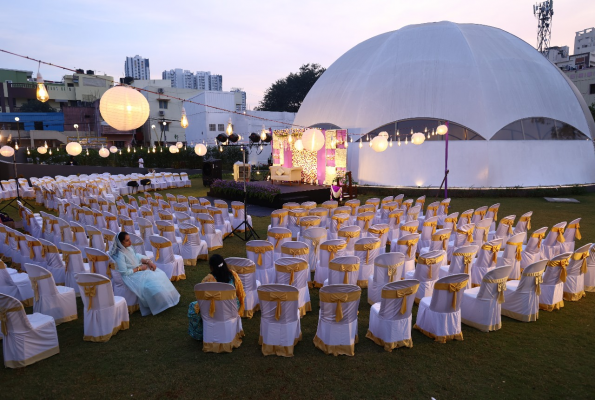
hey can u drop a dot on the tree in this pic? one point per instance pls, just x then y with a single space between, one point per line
36 106
592 108
288 93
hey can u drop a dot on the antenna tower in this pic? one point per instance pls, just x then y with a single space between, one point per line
544 12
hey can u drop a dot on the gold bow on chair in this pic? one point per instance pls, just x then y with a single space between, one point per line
501 287
432 210
186 232
562 264
577 233
214 296
468 233
159 246
236 208
279 236
4 318
90 289
339 220
466 216
539 237
291 269
443 238
94 258
526 219
453 288
353 205
397 216
293 252
519 249
400 293
260 250
66 257
494 249
107 239
429 261
204 222
333 249
467 259
367 247
280 215
366 219
582 256
346 268
538 281
32 244
409 243
432 224
279 297
495 211
481 213
348 235
339 298
35 285
560 232
509 223
391 269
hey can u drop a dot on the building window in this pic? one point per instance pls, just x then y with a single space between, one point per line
221 128
592 88
163 104
424 125
38 125
539 129
212 127
119 144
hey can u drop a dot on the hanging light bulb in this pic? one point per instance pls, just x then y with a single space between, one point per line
28 153
433 132
87 151
161 150
426 130
229 129
128 149
351 139
45 144
428 135
120 151
154 149
397 132
361 144
141 146
346 144
369 141
104 152
134 150
16 146
406 141
42 92
390 143
260 147
184 120
399 142
57 149
221 149
263 133
50 152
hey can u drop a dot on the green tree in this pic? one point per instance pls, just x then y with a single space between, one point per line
36 106
288 93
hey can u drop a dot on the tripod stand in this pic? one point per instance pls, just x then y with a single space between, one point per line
18 198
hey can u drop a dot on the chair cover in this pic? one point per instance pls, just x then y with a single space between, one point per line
26 338
167 229
522 297
380 232
192 247
290 206
53 261
481 305
350 234
246 270
337 324
532 251
407 245
295 249
95 238
220 222
574 286
413 214
487 259
295 272
212 236
166 260
462 260
440 241
552 245
328 251
222 326
439 316
73 264
343 270
465 218
552 288
111 221
390 317
279 218
308 205
338 222
307 222
278 236
313 237
321 213
367 249
294 219
590 275
523 224
493 214
571 234
105 314
261 252
512 255
481 232
280 328
388 268
16 285
504 230
479 214
427 272
49 299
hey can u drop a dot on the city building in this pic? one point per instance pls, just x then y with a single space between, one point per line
179 78
510 111
240 99
137 67
216 84
584 41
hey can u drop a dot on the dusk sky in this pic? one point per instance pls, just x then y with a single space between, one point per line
251 44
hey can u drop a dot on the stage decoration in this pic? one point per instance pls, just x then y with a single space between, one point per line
200 149
336 193
313 139
124 108
103 152
113 149
417 138
442 129
74 148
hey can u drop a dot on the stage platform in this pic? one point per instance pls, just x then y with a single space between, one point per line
298 193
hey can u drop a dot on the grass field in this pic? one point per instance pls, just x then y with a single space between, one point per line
551 358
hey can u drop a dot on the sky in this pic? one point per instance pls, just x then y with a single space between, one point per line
252 44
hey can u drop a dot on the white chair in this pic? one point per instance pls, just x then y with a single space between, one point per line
379 231
407 245
439 316
493 214
364 220
394 223
238 216
192 247
481 305
408 228
313 237
350 234
390 317
53 261
105 314
166 260
574 286
65 233
261 252
122 290
279 218
321 213
337 222
294 219
522 297
291 206
487 259
462 260
111 221
532 251
73 264
95 238
523 224
209 233
479 214
481 232
590 275
280 328
295 272
246 270
220 222
16 285
167 229
328 251
448 221
367 249
427 230
222 326
552 245
504 230
36 254
512 255
571 234
108 238
337 323
388 267
278 236
26 338
49 299
146 228
80 237
426 272
413 214
440 241
295 249
343 270
552 288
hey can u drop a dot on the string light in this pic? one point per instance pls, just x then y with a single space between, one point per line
184 120
390 143
263 134
28 153
406 141
45 144
399 142
16 146
397 132
360 144
346 144
42 92
87 151
229 129
128 149
50 152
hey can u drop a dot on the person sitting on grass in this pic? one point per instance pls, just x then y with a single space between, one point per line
219 273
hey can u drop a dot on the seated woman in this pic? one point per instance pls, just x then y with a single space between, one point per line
154 290
219 273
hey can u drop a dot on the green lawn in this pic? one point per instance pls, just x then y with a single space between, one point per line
551 358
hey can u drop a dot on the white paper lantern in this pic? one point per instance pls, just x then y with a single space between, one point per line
113 149
383 134
103 152
6 151
42 150
313 140
74 148
200 149
442 129
173 149
418 138
179 145
124 108
379 144
299 145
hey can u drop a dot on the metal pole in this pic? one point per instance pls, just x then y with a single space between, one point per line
446 165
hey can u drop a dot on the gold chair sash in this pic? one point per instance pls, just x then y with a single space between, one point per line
4 317
410 229
453 288
279 297
107 239
192 202
562 264
494 249
45 249
146 214
318 213
348 235
501 287
346 268
94 258
30 245
35 285
400 293
366 219
538 281
409 243
467 259
442 238
482 213
392 269
519 249
239 269
280 215
159 246
315 242
509 223
165 228
526 219
354 206
333 249
445 205
236 208
582 256
90 289
485 230
214 296
367 247
166 217
180 209
468 233
560 232
279 236
432 224
433 209
295 252
290 206
312 222
126 223
292 269
453 220
378 231
66 257
298 215
329 206
396 215
339 298
429 262
260 250
203 222
539 237
339 220
186 232
466 216
577 233
495 211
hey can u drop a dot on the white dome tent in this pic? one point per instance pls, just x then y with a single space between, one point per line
514 118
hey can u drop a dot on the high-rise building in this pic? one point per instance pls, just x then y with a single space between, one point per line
181 79
203 80
584 41
240 99
216 83
137 67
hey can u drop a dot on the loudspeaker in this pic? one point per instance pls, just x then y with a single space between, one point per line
211 170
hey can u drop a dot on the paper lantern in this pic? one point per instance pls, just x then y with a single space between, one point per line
379 144
113 149
418 138
179 145
442 129
313 140
299 146
74 148
42 150
6 151
103 152
383 134
124 108
173 149
200 149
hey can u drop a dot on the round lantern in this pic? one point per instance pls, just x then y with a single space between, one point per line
42 150
313 140
179 145
173 149
113 149
299 145
383 134
442 129
124 108
200 149
74 148
103 152
6 151
379 144
418 138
